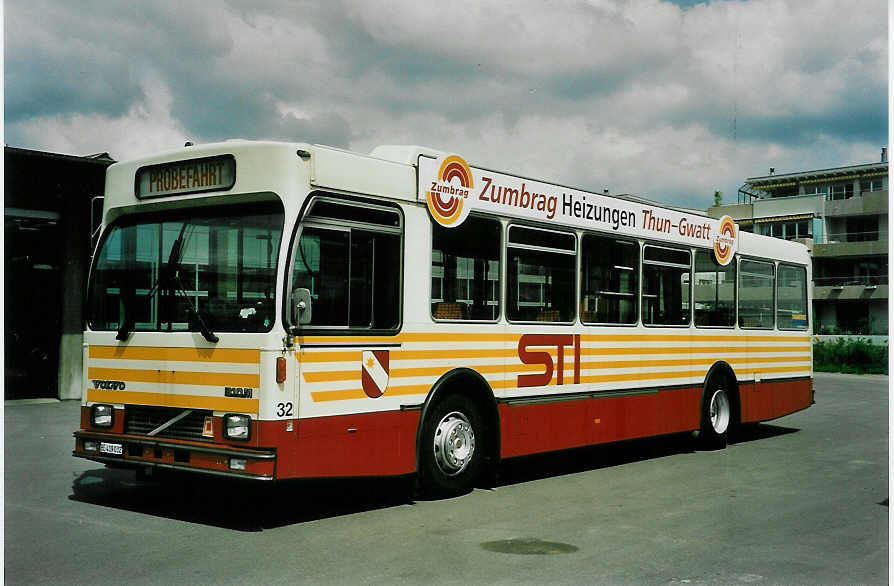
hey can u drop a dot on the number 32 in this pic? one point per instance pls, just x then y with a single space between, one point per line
283 409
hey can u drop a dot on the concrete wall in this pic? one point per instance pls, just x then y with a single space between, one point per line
789 206
75 264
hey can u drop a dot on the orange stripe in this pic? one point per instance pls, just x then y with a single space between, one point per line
324 376
354 355
346 394
714 350
173 377
167 400
512 337
472 353
176 354
695 337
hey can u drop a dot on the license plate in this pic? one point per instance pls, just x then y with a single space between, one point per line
108 448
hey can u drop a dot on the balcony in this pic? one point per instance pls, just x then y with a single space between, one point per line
854 244
869 202
789 206
850 288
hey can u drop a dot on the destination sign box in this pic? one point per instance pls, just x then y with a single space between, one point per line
183 177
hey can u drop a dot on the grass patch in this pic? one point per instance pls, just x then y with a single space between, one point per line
853 356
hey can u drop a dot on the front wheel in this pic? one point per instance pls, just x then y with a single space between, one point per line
452 446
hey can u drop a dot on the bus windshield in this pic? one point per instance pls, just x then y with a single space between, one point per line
202 269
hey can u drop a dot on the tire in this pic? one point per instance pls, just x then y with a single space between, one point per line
717 415
453 446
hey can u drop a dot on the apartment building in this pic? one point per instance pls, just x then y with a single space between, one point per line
841 214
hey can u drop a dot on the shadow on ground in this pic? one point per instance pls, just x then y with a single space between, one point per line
243 506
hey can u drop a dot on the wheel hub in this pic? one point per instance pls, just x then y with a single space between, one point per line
454 443
720 412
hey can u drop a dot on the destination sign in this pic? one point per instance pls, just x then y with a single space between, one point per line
183 177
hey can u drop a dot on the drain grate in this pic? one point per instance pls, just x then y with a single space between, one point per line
528 546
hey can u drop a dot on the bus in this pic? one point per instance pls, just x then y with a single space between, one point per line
266 311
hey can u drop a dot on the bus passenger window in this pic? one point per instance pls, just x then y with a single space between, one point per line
666 286
715 292
791 298
609 279
756 294
465 270
540 279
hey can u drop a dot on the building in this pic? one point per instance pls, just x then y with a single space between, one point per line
841 214
50 202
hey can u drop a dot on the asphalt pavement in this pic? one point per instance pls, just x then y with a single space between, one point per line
800 500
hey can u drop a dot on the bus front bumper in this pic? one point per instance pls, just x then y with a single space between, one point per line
138 452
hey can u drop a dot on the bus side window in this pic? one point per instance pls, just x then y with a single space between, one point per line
666 286
465 270
541 275
756 306
715 292
609 280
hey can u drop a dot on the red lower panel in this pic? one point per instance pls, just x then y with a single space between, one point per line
367 444
544 427
771 399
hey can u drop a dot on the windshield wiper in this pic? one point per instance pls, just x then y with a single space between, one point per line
128 323
175 287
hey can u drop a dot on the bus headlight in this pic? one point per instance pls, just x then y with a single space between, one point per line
101 415
236 427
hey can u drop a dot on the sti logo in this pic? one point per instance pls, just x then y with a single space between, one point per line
544 358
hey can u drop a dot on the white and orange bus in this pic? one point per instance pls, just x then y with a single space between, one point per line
271 310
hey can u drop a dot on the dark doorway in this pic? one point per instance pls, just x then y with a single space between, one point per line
852 318
47 224
31 307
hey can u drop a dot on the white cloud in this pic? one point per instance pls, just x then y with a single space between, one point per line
146 128
638 96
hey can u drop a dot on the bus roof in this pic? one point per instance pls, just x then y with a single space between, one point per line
445 182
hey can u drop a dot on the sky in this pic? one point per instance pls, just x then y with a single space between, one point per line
666 100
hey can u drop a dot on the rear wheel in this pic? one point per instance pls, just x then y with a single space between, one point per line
452 446
716 416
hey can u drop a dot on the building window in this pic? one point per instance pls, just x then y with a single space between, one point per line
465 270
843 191
609 276
666 278
541 275
816 190
871 184
756 294
715 292
861 228
788 230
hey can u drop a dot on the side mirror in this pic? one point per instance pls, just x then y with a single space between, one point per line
301 305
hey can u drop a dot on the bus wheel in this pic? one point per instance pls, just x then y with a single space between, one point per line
716 417
452 446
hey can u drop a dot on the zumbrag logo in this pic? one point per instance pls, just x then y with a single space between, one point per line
447 194
725 241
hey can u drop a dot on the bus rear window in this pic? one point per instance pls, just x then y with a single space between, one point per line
791 298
